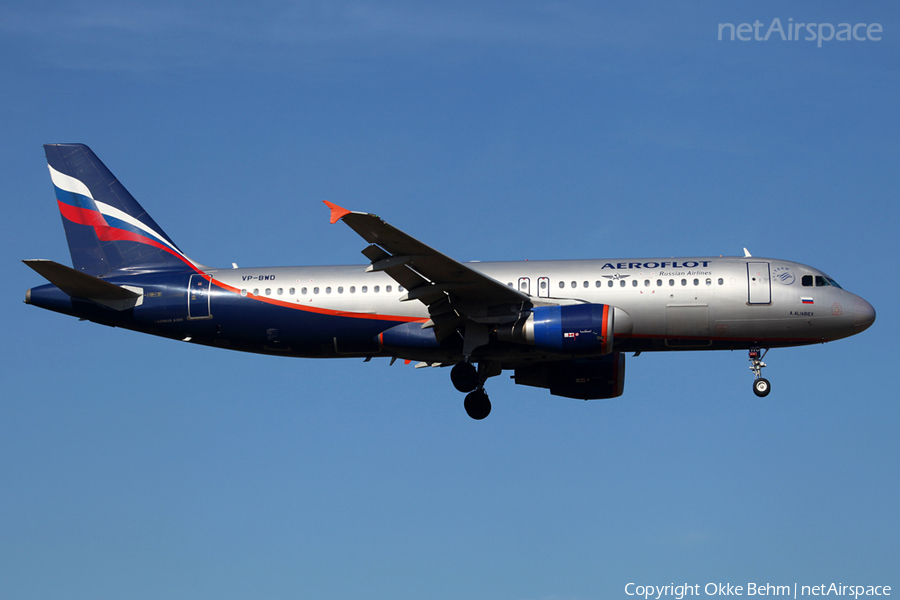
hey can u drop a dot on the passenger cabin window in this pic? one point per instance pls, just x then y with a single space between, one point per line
622 283
376 289
562 284
352 289
365 289
646 283
634 283
721 281
611 283
256 291
303 291
280 291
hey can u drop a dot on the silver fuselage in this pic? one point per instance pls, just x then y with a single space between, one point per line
668 304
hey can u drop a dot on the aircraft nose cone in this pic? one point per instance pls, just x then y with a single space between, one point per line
863 313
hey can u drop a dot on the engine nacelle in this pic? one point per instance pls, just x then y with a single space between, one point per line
574 329
584 379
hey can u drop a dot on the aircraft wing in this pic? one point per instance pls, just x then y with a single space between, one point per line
452 291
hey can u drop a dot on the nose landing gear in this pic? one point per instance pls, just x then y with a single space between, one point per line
761 386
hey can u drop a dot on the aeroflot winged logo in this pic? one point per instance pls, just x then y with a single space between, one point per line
783 276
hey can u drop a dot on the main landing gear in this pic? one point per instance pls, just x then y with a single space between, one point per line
477 404
467 379
761 386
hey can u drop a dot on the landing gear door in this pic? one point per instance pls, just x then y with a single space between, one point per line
198 297
759 283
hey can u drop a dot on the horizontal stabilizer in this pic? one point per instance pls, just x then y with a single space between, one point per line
78 284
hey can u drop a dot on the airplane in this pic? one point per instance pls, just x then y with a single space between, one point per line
562 325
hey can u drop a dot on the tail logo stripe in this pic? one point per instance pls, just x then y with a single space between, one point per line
82 216
106 233
126 219
69 183
79 203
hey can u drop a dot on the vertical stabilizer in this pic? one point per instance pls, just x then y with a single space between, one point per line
106 228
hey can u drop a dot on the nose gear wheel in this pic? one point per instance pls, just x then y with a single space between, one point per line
761 385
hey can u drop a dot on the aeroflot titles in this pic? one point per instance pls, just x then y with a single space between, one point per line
689 264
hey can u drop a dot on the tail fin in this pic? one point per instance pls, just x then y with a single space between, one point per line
106 228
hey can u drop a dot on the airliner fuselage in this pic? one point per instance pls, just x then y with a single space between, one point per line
334 311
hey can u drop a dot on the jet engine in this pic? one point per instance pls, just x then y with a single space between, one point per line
575 329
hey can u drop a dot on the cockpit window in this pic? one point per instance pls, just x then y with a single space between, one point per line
820 281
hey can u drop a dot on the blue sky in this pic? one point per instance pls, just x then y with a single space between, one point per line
135 467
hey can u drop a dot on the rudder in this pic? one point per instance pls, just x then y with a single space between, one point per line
106 228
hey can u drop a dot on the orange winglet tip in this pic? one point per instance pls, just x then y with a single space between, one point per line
337 213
